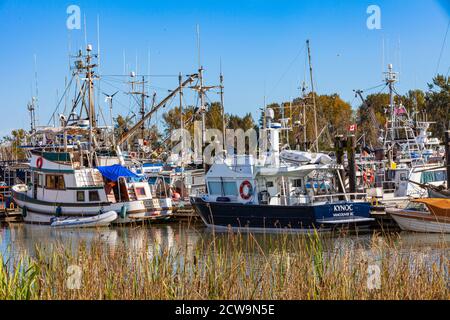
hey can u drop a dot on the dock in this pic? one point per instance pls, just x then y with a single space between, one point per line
7 215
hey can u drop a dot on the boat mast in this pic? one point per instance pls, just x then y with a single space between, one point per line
313 97
143 95
201 91
223 109
162 103
180 85
92 120
142 111
391 78
304 114
31 108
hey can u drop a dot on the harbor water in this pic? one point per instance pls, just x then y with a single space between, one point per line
17 240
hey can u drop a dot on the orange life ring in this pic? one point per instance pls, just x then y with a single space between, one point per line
39 162
369 176
246 190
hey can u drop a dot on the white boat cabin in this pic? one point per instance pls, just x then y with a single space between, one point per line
56 178
243 179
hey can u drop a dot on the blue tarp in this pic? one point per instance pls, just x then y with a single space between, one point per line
115 172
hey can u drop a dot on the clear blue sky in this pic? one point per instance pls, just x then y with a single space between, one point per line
260 43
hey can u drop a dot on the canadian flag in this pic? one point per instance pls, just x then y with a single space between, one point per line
352 128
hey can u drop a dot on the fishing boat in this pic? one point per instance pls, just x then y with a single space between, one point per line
71 177
61 186
174 181
271 194
406 157
100 220
424 215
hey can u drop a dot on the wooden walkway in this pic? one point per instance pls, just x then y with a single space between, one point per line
11 216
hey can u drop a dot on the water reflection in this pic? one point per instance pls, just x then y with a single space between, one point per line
20 239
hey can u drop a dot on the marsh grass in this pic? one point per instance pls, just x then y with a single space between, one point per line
229 266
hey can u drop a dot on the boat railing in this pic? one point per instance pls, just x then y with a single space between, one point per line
310 199
333 196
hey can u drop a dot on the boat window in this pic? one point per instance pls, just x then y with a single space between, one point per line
54 182
440 175
215 188
417 206
36 178
80 196
269 184
40 180
140 192
432 176
230 189
297 183
94 196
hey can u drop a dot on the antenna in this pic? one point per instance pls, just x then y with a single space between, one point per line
399 56
35 76
124 63
98 43
264 106
69 45
198 46
382 57
137 70
85 32
148 66
36 88
223 107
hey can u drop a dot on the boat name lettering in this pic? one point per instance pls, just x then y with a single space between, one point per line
343 208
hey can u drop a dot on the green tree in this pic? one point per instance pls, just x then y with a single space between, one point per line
11 149
438 104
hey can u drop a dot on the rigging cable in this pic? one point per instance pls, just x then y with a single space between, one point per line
287 70
60 100
442 48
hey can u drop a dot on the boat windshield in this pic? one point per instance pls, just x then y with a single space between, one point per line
417 206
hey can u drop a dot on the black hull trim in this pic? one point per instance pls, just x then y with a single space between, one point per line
235 216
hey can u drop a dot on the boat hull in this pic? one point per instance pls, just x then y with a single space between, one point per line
416 224
280 218
41 212
102 220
